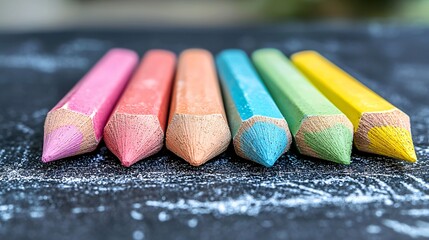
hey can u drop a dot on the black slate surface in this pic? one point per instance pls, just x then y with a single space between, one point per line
93 197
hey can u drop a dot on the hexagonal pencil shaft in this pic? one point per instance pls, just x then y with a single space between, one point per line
136 127
320 129
379 126
260 133
197 129
75 125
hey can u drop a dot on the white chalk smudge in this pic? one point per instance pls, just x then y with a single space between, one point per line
77 210
252 206
37 214
379 213
5 207
137 205
138 235
411 188
353 191
24 129
373 229
419 180
192 223
81 45
416 212
308 196
39 114
421 229
163 216
101 208
43 63
6 216
136 215
6 212
67 56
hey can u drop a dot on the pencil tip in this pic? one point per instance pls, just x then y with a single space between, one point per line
128 158
333 143
61 143
411 157
197 138
133 137
393 142
263 142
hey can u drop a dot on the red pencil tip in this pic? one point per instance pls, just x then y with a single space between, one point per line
133 137
127 160
62 142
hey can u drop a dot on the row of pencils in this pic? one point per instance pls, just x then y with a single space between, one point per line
197 104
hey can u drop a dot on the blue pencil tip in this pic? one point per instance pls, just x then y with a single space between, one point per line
263 143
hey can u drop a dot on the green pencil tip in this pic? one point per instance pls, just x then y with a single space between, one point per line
332 144
343 158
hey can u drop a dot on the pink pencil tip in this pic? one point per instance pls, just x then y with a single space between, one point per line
47 158
61 143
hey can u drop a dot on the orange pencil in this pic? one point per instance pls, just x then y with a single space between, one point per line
136 127
197 128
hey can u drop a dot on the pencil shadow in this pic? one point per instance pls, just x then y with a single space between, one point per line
102 161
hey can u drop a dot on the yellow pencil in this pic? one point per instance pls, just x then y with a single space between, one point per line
379 126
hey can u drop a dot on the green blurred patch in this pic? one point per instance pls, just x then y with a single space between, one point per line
409 10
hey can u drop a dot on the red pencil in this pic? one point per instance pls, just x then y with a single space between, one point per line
136 128
75 125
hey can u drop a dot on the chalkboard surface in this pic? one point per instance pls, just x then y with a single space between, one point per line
93 197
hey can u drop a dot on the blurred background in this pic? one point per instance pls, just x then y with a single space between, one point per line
54 14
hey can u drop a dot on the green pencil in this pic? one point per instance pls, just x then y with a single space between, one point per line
320 129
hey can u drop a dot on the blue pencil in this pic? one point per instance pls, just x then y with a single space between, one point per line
260 133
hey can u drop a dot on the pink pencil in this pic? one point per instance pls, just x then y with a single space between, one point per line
137 125
75 125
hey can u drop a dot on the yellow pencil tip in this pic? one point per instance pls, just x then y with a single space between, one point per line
411 156
393 142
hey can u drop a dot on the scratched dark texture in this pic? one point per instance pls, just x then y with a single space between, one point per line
93 197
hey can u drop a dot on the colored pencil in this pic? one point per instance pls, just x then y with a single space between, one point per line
320 129
136 127
379 126
198 129
75 125
260 133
